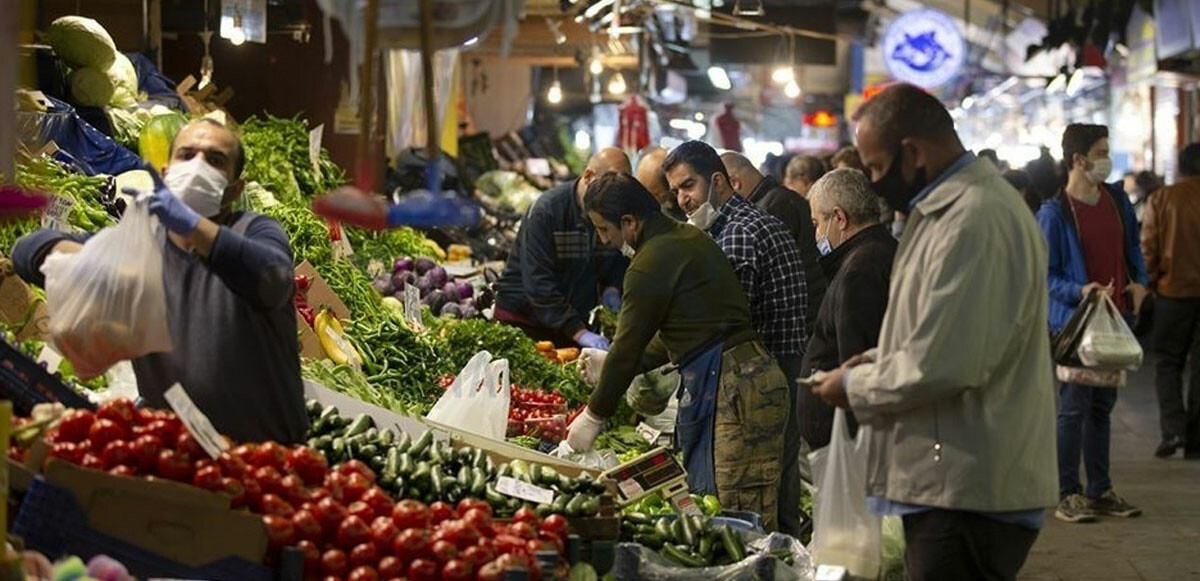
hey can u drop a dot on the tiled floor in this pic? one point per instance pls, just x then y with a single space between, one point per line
1164 543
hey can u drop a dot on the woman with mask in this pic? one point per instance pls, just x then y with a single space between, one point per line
1092 237
229 283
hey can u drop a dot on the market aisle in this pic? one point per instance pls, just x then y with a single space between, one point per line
1163 543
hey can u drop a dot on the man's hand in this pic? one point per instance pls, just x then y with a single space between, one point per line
586 338
1091 286
831 389
591 361
859 359
611 299
1137 295
582 432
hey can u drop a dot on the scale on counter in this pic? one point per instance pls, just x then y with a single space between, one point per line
655 471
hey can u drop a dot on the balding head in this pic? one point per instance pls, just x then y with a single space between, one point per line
743 176
650 174
607 160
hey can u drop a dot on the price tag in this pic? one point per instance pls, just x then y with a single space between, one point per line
647 433
342 345
375 268
314 148
57 215
685 504
524 490
412 308
195 421
50 357
630 488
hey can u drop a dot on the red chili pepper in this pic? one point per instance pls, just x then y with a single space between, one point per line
308 315
302 282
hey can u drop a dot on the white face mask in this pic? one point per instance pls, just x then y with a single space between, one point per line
823 245
199 185
1101 168
703 216
626 250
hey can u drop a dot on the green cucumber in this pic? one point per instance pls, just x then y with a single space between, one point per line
732 543
360 425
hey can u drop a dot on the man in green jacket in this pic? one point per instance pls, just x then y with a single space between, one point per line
683 303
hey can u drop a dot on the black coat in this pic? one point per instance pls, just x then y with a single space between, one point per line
850 317
792 209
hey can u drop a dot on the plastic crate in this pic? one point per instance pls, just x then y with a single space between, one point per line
52 522
27 383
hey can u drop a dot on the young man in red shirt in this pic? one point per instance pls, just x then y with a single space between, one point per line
1092 237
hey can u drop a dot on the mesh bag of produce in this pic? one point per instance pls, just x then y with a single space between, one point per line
106 302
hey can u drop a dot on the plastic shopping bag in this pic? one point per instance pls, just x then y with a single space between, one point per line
651 391
1107 342
106 302
844 533
477 401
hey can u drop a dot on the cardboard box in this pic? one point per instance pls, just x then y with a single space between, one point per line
318 295
177 521
19 307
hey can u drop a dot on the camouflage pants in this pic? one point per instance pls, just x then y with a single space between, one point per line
752 412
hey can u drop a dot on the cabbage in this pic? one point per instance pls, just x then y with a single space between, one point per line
82 42
91 87
154 144
125 82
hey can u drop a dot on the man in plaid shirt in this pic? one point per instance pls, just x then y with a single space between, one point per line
768 264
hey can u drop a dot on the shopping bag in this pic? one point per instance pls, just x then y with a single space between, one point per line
1065 343
1107 343
477 401
1090 377
844 532
650 392
106 302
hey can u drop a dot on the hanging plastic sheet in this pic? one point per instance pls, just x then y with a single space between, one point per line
78 142
406 105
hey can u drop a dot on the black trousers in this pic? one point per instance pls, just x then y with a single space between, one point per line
952 545
1176 335
789 476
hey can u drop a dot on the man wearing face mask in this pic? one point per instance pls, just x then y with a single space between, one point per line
1092 233
768 264
650 174
557 272
857 253
956 400
683 303
229 282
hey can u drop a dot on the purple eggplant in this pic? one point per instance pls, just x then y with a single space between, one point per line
439 276
402 264
399 282
383 284
424 285
451 310
465 290
451 291
423 264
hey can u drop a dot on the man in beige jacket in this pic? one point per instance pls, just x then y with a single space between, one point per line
957 400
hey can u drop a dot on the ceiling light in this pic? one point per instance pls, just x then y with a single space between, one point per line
595 9
554 94
616 85
595 66
474 40
745 8
237 36
792 90
783 75
719 78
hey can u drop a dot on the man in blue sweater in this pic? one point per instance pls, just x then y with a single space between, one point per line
229 282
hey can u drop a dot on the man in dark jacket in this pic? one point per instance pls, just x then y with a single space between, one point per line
789 208
557 271
857 257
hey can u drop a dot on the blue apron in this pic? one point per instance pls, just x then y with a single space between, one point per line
699 378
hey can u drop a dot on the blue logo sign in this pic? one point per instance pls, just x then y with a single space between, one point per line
924 47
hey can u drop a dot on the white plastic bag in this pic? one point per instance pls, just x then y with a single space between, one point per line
844 532
477 401
1090 377
106 302
1107 342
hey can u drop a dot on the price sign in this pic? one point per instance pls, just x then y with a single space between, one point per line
58 214
195 421
314 148
50 357
524 490
412 308
647 433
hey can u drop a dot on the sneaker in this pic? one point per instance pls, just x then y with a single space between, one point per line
1075 508
1110 504
1168 447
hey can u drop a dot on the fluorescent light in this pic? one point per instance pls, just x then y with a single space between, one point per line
595 9
792 90
554 95
474 40
719 78
783 75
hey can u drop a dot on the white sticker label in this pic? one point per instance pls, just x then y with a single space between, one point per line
412 308
58 214
314 148
630 488
647 433
50 357
524 490
685 504
375 268
195 421
342 345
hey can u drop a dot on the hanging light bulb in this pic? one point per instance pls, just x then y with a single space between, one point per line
237 36
792 90
719 78
595 66
554 94
616 85
783 75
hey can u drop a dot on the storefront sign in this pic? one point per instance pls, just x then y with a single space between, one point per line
924 47
1142 63
1174 23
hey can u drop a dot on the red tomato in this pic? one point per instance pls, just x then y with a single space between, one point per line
422 570
118 410
145 451
236 491
551 541
143 416
410 514
172 465
68 451
364 554
411 544
525 514
356 467
280 531
252 496
208 478
363 573
356 486
477 556
122 470
316 495
557 524
390 566
440 511
334 562
74 424
232 465
104 431
312 556
245 453
361 510
383 530
335 483
456 570
291 488
330 513
268 478
307 526
309 464
443 550
509 544
458 533
274 504
270 454
468 503
478 518
378 500
352 531
523 530
185 443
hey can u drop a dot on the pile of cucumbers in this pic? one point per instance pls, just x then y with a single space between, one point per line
691 541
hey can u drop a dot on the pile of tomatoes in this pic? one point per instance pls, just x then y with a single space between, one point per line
536 413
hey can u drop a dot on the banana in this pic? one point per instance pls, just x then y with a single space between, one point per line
333 339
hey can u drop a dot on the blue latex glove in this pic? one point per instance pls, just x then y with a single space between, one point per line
175 215
611 299
590 339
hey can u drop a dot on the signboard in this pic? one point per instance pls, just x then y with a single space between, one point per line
1173 21
924 47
